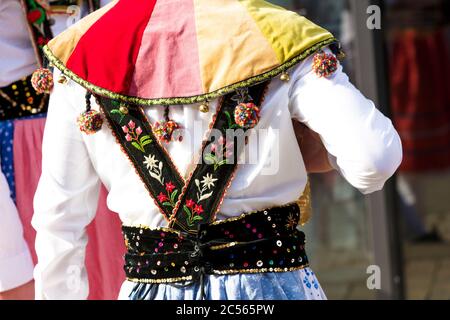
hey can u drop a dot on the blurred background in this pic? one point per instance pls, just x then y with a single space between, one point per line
405 229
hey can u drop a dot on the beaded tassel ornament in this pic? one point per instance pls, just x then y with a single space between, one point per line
324 64
90 121
42 80
246 113
164 130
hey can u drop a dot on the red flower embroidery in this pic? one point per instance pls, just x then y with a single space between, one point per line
162 197
42 41
190 204
170 186
198 209
34 15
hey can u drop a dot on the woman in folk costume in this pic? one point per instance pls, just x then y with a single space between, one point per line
25 27
20 42
166 102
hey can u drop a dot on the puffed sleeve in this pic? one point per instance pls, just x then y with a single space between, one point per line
363 144
16 266
65 201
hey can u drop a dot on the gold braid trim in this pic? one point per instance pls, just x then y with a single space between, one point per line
220 272
185 100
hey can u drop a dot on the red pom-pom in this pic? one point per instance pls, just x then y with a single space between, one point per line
42 80
90 121
246 115
325 64
164 130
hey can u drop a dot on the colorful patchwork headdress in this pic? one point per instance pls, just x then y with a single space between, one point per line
151 52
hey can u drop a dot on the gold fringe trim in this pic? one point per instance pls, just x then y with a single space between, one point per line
184 100
305 204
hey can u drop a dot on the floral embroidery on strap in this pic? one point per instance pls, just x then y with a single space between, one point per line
149 159
184 203
133 135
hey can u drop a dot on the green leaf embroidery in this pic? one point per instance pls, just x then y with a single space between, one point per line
209 158
219 164
144 138
173 196
230 122
167 204
117 111
197 218
188 212
146 142
137 146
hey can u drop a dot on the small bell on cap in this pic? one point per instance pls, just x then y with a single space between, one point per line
62 79
285 77
42 80
123 109
204 107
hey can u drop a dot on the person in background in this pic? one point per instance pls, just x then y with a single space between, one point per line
25 27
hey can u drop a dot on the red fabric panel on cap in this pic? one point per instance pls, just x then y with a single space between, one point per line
106 54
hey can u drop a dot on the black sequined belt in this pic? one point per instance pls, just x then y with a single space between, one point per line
19 99
261 241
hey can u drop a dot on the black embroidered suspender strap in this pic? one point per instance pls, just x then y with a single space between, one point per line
205 189
39 26
185 205
151 162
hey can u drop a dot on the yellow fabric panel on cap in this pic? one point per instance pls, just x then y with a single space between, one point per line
231 49
288 33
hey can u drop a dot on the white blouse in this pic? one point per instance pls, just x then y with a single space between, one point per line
17 56
363 142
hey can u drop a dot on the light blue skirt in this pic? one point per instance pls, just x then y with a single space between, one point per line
295 285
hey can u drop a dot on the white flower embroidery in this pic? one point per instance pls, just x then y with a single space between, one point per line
208 181
206 184
151 162
154 168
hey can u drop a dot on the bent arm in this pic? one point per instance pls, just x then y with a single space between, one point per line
65 201
363 143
